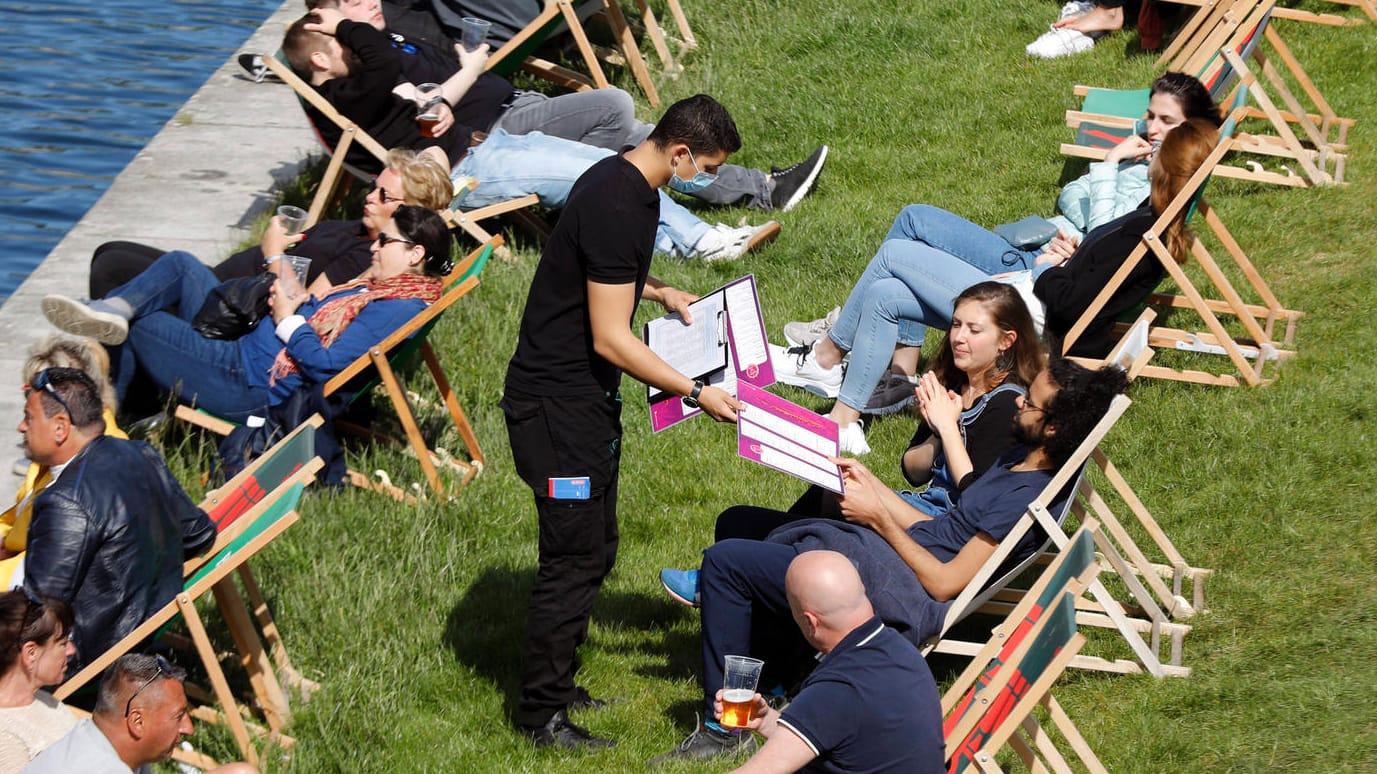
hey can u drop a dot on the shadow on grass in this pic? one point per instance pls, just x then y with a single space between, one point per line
486 630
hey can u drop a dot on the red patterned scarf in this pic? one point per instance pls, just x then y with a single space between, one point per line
333 317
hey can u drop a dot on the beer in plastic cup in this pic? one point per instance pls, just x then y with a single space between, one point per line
738 689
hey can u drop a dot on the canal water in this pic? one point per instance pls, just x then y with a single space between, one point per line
82 89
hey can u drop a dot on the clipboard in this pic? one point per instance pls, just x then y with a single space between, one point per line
697 350
748 353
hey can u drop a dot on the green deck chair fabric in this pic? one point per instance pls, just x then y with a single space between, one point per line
1217 75
271 516
1056 630
281 461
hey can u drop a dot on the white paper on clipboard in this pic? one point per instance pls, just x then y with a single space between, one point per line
695 350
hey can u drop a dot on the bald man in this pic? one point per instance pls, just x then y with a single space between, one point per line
870 705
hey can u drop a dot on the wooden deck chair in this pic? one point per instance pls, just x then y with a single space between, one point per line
1317 145
350 133
1368 7
1168 576
1132 352
1067 575
1139 621
994 705
251 533
519 53
383 360
670 59
1268 327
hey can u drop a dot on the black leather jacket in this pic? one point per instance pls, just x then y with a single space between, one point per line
109 536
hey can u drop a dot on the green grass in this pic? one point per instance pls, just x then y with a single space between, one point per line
412 617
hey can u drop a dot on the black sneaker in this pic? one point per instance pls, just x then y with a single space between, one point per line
893 394
585 701
791 184
256 70
707 742
559 731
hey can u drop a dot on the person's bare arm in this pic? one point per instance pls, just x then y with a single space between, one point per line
869 502
784 750
609 309
943 580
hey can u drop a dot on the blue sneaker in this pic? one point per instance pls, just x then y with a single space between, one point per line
682 585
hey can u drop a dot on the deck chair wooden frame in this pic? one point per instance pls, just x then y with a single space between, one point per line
1139 621
1368 7
1269 328
262 524
1177 586
1314 139
383 358
670 59
469 221
518 53
1066 576
996 706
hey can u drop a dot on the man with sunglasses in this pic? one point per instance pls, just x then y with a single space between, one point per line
110 533
141 716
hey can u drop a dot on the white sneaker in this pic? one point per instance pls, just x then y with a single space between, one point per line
851 439
800 334
797 366
1059 42
724 243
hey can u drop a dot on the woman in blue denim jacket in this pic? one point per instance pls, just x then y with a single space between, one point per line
147 322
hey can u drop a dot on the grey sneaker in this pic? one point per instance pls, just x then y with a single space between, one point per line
800 334
891 395
708 742
71 316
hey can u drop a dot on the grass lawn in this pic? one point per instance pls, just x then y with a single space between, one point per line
412 617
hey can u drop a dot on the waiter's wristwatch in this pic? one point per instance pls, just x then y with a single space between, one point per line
691 400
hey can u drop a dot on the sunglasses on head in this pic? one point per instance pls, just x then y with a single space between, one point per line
42 383
164 670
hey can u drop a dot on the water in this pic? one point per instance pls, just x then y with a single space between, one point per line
82 89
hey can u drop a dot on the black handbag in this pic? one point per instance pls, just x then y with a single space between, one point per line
233 307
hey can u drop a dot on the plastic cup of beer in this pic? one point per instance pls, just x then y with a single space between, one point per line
738 690
293 218
291 273
428 99
474 32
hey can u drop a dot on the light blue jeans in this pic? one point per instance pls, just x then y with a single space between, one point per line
507 166
928 257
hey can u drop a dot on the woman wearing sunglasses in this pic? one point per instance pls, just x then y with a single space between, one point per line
306 340
35 645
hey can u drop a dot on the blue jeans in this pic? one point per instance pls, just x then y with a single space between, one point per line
908 286
162 344
953 234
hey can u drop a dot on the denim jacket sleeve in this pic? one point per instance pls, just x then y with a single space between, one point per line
375 321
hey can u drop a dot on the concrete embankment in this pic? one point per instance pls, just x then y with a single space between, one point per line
199 185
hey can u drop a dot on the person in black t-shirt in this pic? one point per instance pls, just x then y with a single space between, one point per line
562 403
